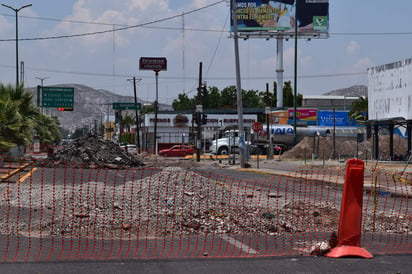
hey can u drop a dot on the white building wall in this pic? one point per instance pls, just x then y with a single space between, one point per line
167 128
390 90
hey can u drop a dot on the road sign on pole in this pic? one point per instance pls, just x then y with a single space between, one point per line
127 106
153 63
57 97
257 127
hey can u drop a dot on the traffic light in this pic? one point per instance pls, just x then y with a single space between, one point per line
204 90
65 109
204 119
195 118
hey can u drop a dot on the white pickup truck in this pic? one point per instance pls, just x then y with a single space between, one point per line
229 143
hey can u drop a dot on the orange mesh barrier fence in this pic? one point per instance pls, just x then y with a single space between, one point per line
57 213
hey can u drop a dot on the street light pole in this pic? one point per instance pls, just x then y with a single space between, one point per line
42 80
38 94
17 37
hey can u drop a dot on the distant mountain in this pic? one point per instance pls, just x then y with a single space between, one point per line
354 91
91 106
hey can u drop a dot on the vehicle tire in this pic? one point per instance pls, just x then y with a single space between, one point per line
223 151
165 155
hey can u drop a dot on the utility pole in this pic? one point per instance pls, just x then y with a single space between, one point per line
137 139
198 115
268 133
242 146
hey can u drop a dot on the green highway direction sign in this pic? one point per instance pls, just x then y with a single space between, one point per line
57 97
127 106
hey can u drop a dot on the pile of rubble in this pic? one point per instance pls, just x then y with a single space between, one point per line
174 202
93 151
345 148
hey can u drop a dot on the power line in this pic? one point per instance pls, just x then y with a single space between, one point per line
216 78
115 29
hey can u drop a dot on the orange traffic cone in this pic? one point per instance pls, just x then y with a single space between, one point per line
350 220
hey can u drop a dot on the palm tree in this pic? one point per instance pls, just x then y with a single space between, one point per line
128 121
10 121
359 110
48 129
19 118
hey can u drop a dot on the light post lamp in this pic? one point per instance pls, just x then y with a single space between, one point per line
38 90
17 37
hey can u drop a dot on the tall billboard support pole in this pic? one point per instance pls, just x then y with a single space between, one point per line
295 85
279 71
242 147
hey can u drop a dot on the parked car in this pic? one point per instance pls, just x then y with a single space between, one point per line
129 148
177 151
278 149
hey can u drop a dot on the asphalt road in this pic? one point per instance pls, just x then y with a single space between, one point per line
283 264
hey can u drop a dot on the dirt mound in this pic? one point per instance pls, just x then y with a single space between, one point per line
91 151
346 148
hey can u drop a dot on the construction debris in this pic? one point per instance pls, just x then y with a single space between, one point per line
93 151
326 148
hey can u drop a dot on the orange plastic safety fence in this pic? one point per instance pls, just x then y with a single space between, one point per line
58 213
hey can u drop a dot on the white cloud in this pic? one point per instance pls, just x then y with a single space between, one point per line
145 5
306 61
200 3
353 48
5 25
108 14
362 65
269 64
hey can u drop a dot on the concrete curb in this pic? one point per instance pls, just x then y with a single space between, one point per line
14 171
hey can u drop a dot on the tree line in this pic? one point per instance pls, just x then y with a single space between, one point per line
213 98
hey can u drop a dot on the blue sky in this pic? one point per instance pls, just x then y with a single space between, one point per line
362 34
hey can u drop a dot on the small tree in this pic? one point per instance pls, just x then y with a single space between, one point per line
359 110
182 103
17 116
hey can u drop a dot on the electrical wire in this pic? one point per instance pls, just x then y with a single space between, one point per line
114 29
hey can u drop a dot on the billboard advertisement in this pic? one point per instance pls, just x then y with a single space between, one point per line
304 116
342 119
264 15
390 90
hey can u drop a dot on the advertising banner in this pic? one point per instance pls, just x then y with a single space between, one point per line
265 15
389 90
342 119
304 116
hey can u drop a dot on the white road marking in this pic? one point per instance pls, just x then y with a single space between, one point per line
238 244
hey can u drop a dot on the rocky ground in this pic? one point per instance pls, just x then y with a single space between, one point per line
176 200
346 148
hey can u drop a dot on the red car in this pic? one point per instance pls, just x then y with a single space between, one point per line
176 151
